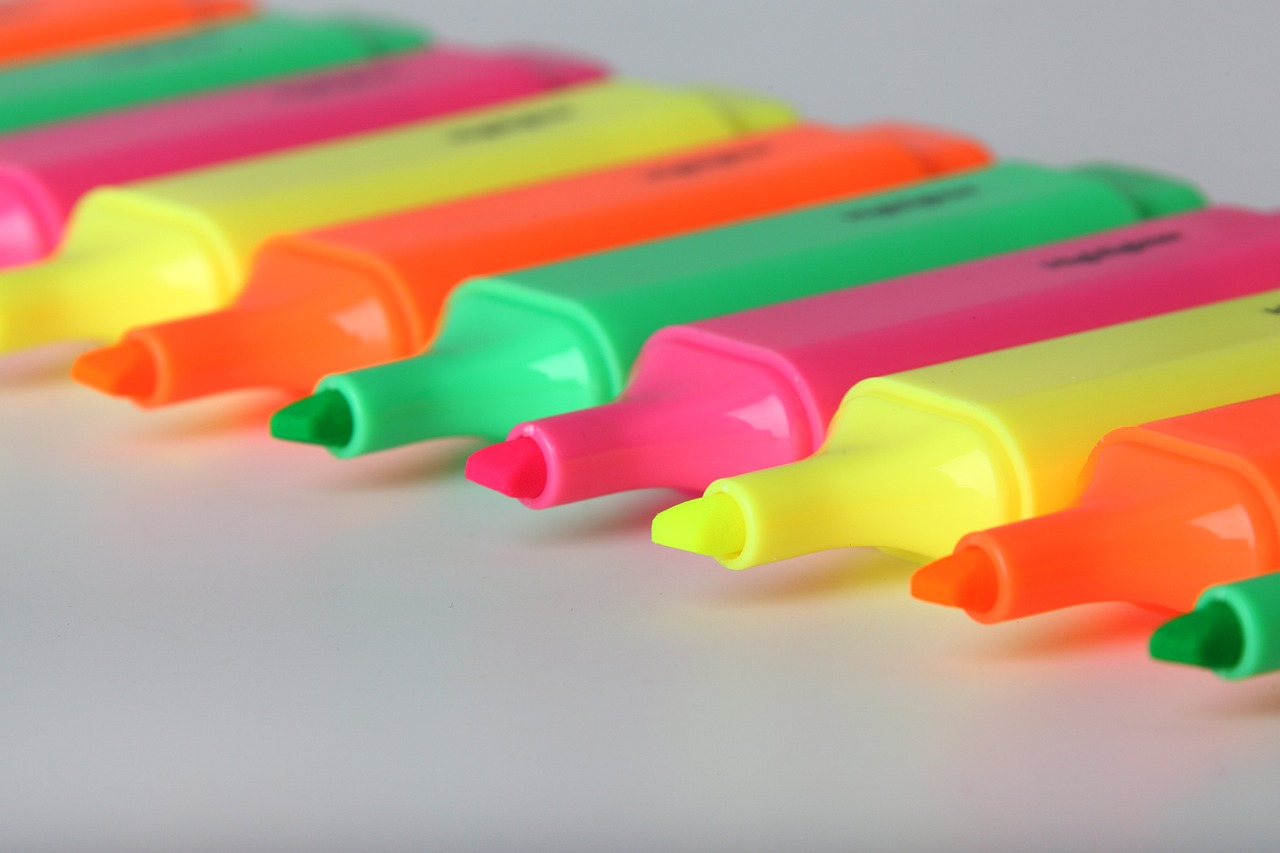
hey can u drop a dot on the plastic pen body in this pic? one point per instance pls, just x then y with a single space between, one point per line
177 246
371 291
42 29
44 172
1234 629
232 55
757 389
1167 509
914 461
563 337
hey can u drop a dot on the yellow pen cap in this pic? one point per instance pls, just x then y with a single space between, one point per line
915 460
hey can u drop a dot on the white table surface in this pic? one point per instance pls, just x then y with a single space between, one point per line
213 641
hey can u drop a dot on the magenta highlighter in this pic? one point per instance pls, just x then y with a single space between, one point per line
44 172
757 389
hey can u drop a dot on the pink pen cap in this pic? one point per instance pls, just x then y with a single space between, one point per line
45 172
757 389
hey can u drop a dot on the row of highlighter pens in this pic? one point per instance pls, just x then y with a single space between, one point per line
1053 386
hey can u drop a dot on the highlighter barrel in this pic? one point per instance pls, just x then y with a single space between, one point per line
367 292
1168 509
224 213
617 299
45 172
258 49
44 29
1003 436
757 389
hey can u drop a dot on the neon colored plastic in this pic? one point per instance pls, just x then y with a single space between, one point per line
680 422
46 171
914 461
259 49
558 338
1167 509
43 29
1234 630
178 246
369 292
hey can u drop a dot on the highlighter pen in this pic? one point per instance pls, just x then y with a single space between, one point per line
914 461
45 171
1234 629
181 245
236 54
562 337
1166 509
372 291
757 389
39 29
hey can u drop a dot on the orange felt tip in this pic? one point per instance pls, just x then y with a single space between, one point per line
965 579
123 370
516 468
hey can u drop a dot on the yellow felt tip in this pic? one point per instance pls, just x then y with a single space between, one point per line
712 525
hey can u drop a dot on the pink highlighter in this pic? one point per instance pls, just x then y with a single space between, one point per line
44 172
757 389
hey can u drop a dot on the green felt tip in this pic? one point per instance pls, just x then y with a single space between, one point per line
1210 637
323 418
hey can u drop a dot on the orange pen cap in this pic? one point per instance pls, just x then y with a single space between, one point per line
1170 508
37 29
365 293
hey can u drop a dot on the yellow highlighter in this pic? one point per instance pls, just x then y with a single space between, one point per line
915 460
169 248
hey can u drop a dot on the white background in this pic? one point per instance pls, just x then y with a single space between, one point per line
213 641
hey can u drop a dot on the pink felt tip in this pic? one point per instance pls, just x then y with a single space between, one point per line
515 468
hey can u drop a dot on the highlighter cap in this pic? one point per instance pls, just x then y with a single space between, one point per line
1255 603
383 37
748 113
1151 193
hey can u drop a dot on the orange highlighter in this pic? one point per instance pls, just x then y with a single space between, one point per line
1167 509
364 293
35 29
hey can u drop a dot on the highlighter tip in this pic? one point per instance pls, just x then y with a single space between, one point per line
123 370
1209 637
323 419
515 468
711 525
965 579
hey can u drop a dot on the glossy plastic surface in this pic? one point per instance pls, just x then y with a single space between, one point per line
368 292
42 29
916 460
617 299
258 49
1167 509
757 389
44 172
222 214
1255 606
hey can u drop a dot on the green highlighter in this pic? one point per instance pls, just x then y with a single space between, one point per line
1234 630
260 49
553 339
